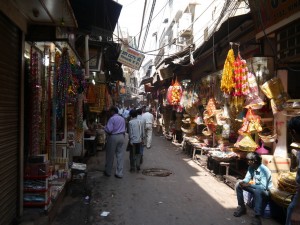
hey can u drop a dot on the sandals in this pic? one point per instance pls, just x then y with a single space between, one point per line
241 210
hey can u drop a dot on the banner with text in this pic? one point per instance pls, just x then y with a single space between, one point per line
130 57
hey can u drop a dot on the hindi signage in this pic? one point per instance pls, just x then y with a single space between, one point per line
130 57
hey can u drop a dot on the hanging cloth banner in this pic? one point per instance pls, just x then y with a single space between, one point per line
130 57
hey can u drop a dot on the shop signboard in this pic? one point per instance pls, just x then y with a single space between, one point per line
130 57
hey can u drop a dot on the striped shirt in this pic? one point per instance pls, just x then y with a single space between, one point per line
135 131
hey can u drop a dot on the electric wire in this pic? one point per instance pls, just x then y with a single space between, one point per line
152 19
232 7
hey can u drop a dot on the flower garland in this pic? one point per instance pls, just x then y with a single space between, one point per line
240 77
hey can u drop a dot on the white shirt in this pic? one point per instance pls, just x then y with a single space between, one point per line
148 118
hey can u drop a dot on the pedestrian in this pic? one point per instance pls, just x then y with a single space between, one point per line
258 181
139 117
293 211
148 120
125 113
115 130
135 132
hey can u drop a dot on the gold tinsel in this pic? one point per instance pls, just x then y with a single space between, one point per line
227 82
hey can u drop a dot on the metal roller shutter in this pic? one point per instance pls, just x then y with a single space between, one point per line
9 119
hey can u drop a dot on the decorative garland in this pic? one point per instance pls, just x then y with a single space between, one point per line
240 77
34 99
227 82
63 77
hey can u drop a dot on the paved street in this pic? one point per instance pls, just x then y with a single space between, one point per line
190 195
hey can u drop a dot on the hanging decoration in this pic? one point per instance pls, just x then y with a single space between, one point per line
76 82
241 88
35 104
274 90
227 81
251 123
63 78
253 99
79 119
174 93
247 144
91 95
240 77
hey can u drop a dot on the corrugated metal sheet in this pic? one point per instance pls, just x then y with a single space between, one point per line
9 119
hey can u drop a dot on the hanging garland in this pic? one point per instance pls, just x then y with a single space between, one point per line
77 83
34 99
240 77
63 77
227 82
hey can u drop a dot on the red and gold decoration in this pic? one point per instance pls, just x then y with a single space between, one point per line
174 93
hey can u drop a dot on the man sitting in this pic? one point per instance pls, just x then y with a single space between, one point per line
258 181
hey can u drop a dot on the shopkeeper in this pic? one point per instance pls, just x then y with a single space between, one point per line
258 181
90 136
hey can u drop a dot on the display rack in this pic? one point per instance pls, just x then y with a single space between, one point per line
36 186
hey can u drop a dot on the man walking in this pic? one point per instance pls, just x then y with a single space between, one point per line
115 130
135 131
148 119
139 117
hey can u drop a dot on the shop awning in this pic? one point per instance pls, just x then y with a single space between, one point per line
146 80
48 13
166 71
102 14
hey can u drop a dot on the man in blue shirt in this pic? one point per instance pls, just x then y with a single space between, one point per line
115 130
293 211
258 181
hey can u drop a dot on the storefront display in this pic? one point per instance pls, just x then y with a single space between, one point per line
55 85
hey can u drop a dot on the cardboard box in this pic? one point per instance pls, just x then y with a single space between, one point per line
277 165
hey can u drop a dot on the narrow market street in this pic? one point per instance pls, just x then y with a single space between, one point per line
190 195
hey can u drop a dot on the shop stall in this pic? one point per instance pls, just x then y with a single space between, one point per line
55 85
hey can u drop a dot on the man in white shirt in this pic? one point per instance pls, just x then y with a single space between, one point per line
148 120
